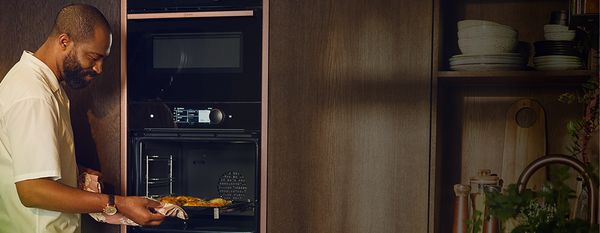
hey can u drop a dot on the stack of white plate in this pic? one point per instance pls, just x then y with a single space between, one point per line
486 45
557 62
480 62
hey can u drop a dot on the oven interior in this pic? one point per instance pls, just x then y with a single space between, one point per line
204 165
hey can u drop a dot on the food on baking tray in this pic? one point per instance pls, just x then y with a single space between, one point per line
218 202
194 201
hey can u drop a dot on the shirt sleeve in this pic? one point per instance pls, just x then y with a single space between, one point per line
32 133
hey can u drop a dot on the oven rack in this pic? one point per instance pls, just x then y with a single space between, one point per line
169 180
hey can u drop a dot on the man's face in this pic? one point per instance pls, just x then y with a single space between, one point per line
75 75
83 62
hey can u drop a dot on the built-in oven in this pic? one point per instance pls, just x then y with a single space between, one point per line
195 56
200 150
199 163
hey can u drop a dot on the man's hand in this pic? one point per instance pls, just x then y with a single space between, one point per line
83 169
51 195
138 209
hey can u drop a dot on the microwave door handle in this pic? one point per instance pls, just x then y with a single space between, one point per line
205 14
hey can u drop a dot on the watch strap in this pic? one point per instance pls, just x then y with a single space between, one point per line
111 200
110 208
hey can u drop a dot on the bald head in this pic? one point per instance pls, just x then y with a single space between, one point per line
76 47
79 22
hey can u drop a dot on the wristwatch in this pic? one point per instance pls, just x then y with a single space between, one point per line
110 208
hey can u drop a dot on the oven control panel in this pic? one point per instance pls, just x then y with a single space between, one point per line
192 116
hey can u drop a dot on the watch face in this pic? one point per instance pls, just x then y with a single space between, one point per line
110 210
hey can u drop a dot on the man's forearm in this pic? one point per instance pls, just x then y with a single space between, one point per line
51 195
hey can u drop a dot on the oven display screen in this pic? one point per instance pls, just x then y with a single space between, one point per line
191 116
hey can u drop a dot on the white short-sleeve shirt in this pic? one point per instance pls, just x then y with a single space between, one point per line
36 141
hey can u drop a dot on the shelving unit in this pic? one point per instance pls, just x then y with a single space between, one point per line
470 107
524 77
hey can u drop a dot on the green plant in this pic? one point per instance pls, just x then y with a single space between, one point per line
581 130
544 211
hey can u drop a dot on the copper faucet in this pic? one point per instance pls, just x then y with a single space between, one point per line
571 162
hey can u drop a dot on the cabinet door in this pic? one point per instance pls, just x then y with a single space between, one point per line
349 116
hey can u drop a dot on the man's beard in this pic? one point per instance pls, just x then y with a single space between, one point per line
74 74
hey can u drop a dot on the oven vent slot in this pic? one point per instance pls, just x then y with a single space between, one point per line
151 181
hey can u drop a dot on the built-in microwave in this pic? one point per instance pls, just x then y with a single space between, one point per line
200 56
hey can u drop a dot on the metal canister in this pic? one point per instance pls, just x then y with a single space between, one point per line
461 208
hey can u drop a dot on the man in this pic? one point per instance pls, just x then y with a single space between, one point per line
38 172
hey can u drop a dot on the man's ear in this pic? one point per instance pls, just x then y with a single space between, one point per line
64 41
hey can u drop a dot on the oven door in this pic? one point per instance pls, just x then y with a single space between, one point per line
194 56
200 163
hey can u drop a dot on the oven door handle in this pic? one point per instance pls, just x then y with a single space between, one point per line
200 14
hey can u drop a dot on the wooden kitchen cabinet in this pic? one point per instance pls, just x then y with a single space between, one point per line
470 107
349 110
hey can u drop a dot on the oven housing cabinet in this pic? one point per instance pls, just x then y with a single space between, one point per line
200 163
194 121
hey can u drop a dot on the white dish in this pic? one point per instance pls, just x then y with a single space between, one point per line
463 24
487 31
556 56
555 28
487 45
558 67
485 67
557 60
559 35
558 64
485 59
487 55
473 22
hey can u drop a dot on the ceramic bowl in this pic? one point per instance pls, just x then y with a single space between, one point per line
471 22
567 35
487 31
555 28
487 45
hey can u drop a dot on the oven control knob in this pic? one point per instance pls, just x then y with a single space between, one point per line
216 116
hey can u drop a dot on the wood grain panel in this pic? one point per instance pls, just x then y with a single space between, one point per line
95 110
349 109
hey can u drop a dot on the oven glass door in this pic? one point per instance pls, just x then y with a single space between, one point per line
209 59
203 167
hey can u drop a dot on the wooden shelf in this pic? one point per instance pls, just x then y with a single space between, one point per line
521 77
